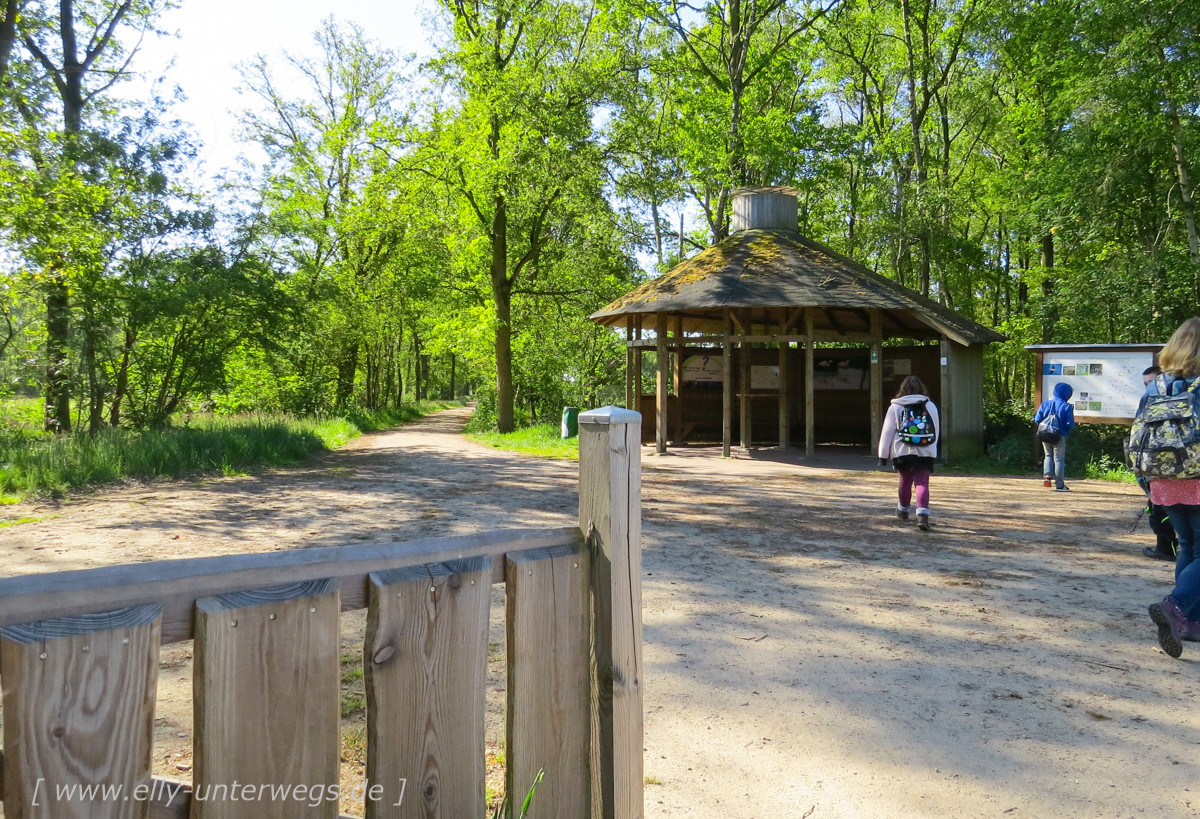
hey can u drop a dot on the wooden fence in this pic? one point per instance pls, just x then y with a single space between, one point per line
79 655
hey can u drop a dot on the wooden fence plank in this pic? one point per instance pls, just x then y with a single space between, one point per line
549 717
79 711
266 700
426 672
176 585
611 519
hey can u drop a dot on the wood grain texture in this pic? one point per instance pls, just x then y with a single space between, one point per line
548 619
79 711
266 700
610 516
426 674
176 585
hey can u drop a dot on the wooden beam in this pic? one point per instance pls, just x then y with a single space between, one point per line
265 688
78 711
876 375
176 585
761 338
727 387
744 395
630 361
785 420
425 668
946 404
810 436
548 624
610 512
660 387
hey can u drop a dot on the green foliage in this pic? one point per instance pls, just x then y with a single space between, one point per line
229 445
543 441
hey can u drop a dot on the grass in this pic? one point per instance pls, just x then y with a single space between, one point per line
32 462
544 441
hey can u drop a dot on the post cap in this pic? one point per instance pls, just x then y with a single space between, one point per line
610 416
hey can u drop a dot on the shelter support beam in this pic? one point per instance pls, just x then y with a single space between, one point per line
784 404
727 387
946 408
631 356
660 391
810 436
744 394
876 368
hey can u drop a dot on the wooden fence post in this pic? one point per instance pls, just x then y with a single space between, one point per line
265 689
79 714
610 517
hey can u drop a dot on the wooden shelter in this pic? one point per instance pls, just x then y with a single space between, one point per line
793 334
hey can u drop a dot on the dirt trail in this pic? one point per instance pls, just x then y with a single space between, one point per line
806 654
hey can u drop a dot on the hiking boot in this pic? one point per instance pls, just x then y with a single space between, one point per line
1171 625
1047 481
902 514
923 522
1153 553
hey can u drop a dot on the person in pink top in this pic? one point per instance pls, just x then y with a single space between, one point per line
911 451
1178 615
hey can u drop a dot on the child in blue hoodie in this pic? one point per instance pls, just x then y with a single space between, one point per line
1054 467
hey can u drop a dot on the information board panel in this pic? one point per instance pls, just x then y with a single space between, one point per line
1107 384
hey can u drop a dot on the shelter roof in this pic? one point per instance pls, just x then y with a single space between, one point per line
782 269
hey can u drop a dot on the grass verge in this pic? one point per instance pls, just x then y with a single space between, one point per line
229 445
544 441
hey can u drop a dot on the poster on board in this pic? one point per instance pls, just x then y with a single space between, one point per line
1106 384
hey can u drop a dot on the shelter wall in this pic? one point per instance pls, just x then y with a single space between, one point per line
841 394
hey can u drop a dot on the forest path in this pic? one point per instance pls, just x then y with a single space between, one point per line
806 653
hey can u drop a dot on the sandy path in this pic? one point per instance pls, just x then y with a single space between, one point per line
806 653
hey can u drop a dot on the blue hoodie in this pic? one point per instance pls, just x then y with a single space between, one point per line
1059 405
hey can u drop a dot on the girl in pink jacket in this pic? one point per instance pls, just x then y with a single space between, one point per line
909 440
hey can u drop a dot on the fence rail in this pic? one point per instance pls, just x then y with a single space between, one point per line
79 662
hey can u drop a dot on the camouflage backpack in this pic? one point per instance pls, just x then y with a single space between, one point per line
1164 441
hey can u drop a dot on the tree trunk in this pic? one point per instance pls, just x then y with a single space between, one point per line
347 368
1050 310
58 388
114 416
502 296
95 390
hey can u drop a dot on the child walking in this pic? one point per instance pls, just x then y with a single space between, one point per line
909 439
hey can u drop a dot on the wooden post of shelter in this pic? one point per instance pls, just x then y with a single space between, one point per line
946 407
810 436
727 386
784 405
744 384
660 388
611 520
876 368
631 355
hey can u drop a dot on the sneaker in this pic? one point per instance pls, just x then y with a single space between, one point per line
1047 481
902 514
1170 621
1153 553
1063 488
923 522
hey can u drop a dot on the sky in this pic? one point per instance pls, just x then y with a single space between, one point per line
215 35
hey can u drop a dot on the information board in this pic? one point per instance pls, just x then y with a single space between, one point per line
1106 384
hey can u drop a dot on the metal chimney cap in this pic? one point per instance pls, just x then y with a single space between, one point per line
751 189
